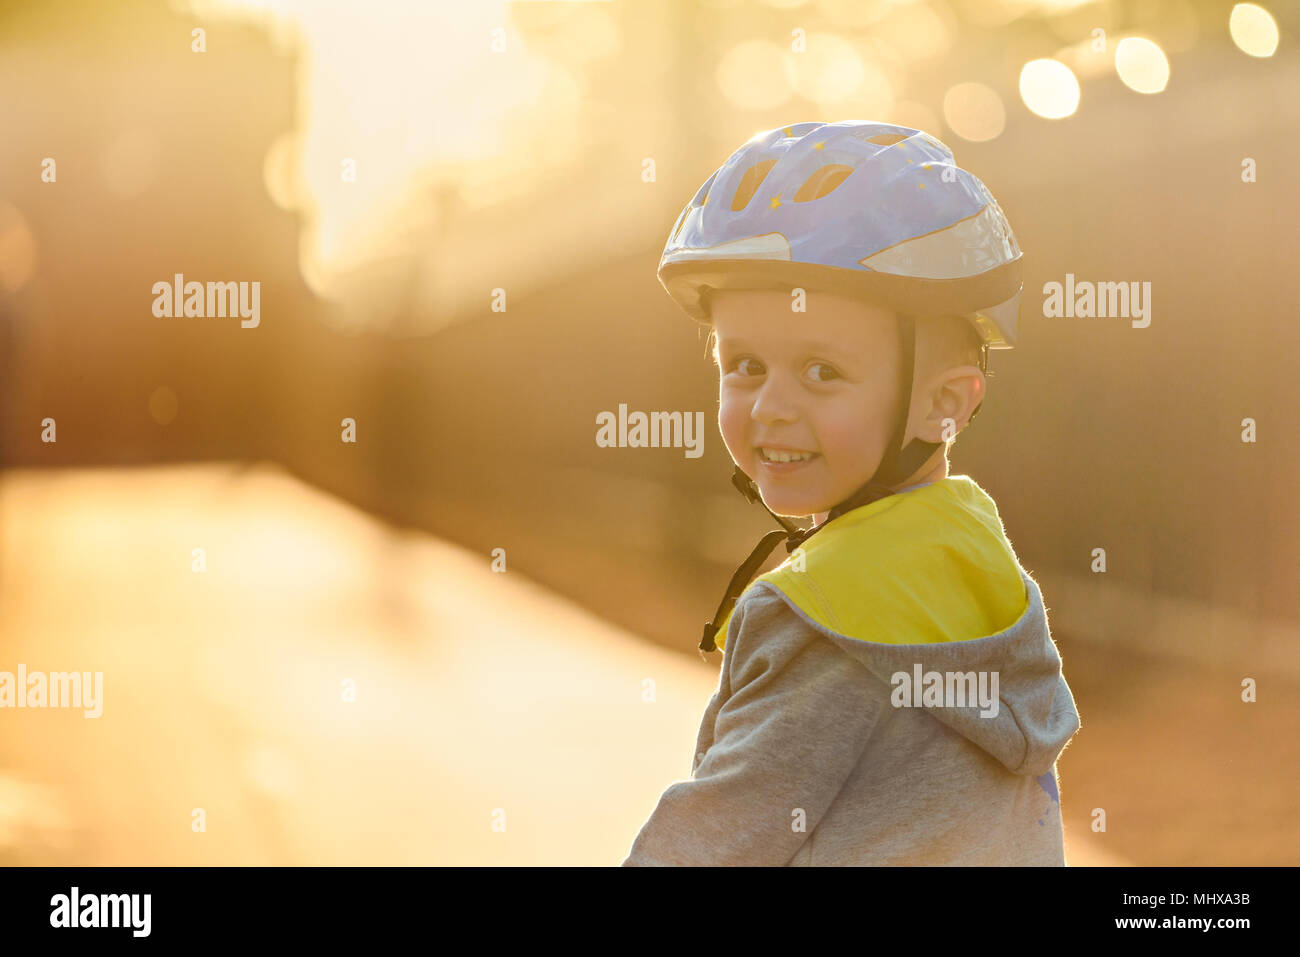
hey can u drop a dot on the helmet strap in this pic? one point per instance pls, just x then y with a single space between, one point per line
984 367
745 485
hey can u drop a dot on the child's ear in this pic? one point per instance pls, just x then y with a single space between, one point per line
962 392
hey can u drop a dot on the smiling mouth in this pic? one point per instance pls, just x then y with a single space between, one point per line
780 456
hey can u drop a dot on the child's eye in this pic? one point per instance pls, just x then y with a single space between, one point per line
826 373
746 365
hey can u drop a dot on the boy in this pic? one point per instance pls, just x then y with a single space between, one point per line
891 693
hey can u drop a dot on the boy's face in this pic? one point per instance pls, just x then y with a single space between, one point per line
822 382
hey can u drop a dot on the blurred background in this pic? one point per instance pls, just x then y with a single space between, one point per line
392 173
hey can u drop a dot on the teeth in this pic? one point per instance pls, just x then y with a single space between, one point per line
779 455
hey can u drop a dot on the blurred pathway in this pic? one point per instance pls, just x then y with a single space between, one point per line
224 690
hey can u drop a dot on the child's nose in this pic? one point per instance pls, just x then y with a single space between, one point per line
775 401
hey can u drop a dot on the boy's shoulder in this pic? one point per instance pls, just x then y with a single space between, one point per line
930 565
771 624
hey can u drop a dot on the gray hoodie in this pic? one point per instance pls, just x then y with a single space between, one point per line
802 757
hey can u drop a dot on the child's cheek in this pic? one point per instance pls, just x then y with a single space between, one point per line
733 419
852 440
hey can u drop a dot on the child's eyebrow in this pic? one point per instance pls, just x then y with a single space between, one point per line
803 347
823 347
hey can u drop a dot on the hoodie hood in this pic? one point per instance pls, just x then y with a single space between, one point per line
1033 713
919 588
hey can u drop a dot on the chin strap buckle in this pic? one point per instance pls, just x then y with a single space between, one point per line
744 484
797 538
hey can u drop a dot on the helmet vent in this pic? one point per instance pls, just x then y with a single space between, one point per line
887 139
681 221
700 199
822 181
749 184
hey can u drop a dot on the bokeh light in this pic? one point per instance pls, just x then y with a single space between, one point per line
1253 29
831 70
1141 64
1049 88
163 405
840 77
974 112
17 250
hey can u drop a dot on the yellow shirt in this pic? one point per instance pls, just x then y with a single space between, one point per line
930 565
